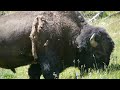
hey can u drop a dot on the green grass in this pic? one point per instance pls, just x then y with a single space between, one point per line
8 74
112 25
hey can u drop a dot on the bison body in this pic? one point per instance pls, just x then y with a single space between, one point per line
61 29
56 50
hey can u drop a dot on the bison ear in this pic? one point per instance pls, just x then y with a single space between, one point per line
93 43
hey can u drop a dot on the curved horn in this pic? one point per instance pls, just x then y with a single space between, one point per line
92 41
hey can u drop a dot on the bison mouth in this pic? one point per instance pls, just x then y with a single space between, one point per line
93 58
100 61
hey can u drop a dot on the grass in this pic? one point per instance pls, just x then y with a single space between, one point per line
8 74
112 25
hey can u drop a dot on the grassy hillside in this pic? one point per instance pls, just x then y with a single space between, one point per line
112 25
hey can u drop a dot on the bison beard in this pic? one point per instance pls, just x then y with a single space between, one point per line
50 63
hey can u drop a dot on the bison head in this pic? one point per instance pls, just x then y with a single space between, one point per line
95 47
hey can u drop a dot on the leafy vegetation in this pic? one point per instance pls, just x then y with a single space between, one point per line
112 25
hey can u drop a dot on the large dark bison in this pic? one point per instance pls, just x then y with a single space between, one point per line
52 40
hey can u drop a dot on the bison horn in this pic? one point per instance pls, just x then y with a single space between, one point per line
92 41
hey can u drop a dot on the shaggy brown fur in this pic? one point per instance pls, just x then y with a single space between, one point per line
56 25
38 24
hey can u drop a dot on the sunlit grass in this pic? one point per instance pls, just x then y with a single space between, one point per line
21 73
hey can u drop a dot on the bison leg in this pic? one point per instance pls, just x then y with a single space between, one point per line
34 71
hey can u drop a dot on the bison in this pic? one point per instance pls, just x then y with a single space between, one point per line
19 46
50 41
